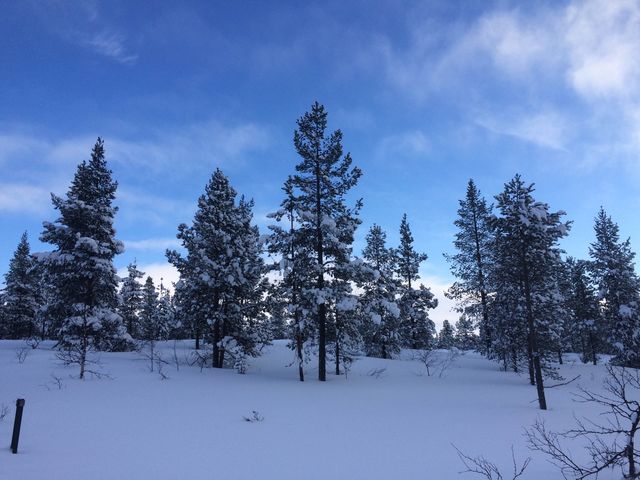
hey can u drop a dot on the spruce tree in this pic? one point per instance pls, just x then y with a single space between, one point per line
585 311
446 338
290 297
526 266
150 326
81 266
472 260
167 315
131 300
379 310
417 329
465 337
618 289
21 294
221 277
322 180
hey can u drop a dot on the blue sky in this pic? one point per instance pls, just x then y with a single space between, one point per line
428 94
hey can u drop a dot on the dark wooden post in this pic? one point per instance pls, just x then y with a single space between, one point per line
16 425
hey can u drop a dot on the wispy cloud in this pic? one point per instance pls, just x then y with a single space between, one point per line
20 198
151 244
410 144
546 129
109 44
36 164
85 23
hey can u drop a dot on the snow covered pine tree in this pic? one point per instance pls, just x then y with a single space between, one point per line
417 329
21 299
81 267
322 180
131 300
527 258
618 289
471 264
222 280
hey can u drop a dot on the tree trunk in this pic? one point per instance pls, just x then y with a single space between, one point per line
215 339
560 357
532 377
592 341
533 343
300 356
322 308
337 357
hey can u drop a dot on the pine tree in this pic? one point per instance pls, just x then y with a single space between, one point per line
81 266
585 312
289 296
379 310
21 294
131 299
322 180
151 328
465 337
222 282
167 315
417 329
526 268
470 265
618 286
446 338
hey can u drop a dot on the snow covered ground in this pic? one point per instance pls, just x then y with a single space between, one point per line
385 420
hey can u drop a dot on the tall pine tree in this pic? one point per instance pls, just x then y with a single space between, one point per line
527 258
618 289
414 301
221 278
81 266
471 262
322 180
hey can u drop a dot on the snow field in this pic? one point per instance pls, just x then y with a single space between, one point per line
396 424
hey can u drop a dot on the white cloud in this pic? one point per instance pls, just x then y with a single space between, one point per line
408 144
152 244
546 129
160 272
18 198
110 45
45 165
603 45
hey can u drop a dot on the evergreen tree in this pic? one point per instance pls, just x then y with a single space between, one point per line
379 311
167 315
526 266
131 300
21 294
291 296
618 285
222 282
446 337
471 262
322 180
150 325
465 337
81 266
585 312
417 329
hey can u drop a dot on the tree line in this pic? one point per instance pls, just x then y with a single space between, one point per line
522 300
